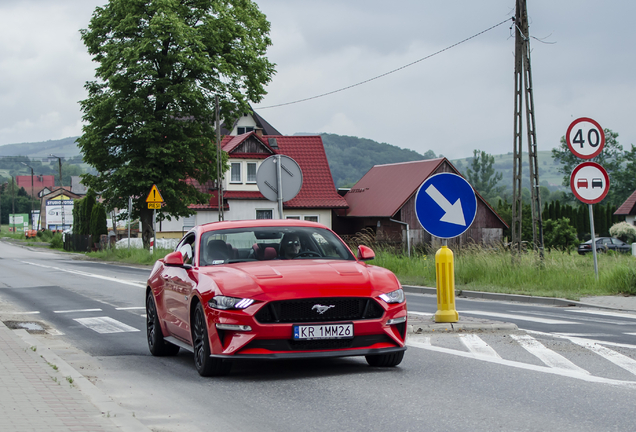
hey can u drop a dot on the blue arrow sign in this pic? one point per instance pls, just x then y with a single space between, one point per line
446 205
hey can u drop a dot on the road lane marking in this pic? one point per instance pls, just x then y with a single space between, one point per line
618 359
568 336
547 356
77 310
530 367
588 319
25 313
131 308
93 275
105 325
518 317
604 313
476 345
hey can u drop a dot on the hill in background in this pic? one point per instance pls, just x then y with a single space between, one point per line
349 158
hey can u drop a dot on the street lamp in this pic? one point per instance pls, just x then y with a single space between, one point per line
59 159
31 219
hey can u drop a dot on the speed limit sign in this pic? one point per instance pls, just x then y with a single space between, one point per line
585 138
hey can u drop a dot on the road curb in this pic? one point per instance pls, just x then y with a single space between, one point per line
550 301
419 323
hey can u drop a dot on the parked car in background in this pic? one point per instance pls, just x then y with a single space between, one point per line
272 289
604 244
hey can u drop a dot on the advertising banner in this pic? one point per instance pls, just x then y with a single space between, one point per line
18 222
56 210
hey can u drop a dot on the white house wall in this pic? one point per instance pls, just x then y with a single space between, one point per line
243 185
239 210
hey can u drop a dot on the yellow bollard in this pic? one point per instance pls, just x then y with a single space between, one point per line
445 275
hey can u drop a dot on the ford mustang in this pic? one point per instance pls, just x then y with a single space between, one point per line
272 289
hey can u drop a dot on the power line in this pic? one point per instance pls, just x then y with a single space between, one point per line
390 72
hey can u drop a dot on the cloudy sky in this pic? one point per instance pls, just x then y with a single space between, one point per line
583 65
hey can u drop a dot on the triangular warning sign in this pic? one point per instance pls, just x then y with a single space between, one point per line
154 195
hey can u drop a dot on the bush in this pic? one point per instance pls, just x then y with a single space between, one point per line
56 241
98 222
559 234
623 231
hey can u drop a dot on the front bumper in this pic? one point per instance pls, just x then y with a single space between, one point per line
311 354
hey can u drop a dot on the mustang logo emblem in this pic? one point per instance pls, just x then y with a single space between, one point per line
321 309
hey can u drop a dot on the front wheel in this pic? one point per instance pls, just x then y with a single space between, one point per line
206 365
157 345
385 360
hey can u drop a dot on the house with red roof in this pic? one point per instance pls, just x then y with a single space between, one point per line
628 209
316 200
39 182
383 201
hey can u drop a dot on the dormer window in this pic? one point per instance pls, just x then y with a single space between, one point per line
240 130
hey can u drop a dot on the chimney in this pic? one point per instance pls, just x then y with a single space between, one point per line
259 132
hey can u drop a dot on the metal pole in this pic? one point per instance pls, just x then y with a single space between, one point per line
129 211
31 218
279 185
593 241
59 159
219 159
154 230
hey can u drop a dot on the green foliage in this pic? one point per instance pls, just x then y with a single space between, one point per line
559 234
56 241
82 213
98 222
623 231
148 114
13 198
350 157
482 176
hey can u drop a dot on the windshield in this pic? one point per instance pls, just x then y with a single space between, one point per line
271 243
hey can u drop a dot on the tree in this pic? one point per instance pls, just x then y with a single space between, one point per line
98 222
559 234
610 158
150 113
624 180
482 176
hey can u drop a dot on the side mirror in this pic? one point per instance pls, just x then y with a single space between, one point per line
175 259
365 253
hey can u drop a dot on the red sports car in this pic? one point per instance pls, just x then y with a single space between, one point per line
272 289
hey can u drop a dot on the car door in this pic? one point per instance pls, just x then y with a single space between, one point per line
179 284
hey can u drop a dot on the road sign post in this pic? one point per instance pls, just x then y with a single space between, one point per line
279 178
154 200
445 206
590 184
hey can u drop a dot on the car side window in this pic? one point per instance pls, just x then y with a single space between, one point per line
186 247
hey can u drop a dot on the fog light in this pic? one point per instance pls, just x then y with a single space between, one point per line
234 327
394 321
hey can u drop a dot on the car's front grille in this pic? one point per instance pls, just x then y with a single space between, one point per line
319 345
319 310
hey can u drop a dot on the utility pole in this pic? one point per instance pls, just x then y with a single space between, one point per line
523 86
219 160
59 159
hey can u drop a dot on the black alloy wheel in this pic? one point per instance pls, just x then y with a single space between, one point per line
157 345
205 365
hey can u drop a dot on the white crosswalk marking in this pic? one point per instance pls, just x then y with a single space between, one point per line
547 356
617 358
477 346
518 317
603 313
105 325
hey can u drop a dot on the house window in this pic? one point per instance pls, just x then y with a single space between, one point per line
240 130
251 172
293 217
235 172
264 214
311 218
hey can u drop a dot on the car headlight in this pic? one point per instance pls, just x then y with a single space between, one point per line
225 303
396 296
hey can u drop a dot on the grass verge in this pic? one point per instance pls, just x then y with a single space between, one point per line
560 274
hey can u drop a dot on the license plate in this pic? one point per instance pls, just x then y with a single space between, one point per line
323 331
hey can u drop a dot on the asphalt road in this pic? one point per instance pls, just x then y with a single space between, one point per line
454 382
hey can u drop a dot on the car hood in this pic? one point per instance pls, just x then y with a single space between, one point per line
303 279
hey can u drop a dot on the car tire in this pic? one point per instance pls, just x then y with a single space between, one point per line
157 345
385 360
205 365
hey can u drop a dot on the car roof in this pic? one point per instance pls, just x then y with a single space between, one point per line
256 223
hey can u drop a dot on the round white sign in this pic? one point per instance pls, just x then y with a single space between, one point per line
585 138
589 182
